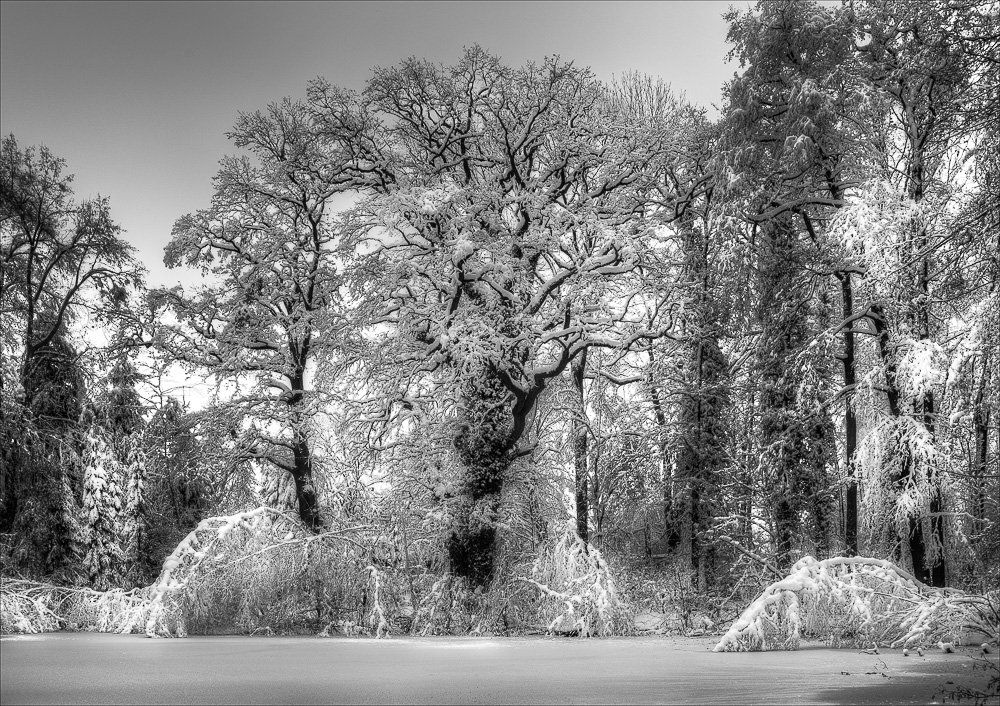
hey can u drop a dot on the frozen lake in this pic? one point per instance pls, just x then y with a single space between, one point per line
126 669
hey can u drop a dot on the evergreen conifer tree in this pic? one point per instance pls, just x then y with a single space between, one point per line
104 490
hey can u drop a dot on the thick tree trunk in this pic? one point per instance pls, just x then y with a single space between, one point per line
597 508
690 467
484 442
701 458
302 466
877 317
305 489
933 574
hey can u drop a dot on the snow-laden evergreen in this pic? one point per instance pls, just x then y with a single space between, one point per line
134 521
103 503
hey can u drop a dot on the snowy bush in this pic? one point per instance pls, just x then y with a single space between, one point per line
857 601
252 572
448 605
256 571
261 571
578 593
32 607
440 607
26 607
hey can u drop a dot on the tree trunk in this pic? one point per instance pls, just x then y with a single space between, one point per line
302 467
305 489
579 432
935 573
783 336
981 428
916 178
850 420
484 444
669 531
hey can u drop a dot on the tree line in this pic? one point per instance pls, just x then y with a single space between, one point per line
472 302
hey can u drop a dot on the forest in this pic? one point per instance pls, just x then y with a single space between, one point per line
500 349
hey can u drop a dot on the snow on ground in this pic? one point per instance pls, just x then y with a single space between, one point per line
105 668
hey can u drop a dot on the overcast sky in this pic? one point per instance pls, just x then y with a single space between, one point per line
137 96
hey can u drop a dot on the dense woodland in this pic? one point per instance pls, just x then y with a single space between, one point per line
477 330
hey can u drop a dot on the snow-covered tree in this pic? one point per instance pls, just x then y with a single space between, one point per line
702 377
782 144
919 71
104 504
866 112
268 309
972 389
500 224
135 524
59 258
40 463
117 463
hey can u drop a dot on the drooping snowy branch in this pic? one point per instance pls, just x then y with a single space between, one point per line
578 591
856 600
205 551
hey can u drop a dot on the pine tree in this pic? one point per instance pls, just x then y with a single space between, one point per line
120 412
135 519
797 448
104 503
41 470
785 137
114 480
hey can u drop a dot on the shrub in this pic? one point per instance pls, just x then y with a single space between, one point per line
858 601
579 595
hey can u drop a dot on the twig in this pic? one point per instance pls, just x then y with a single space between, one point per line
756 557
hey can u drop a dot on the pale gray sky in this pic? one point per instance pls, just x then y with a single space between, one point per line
137 96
